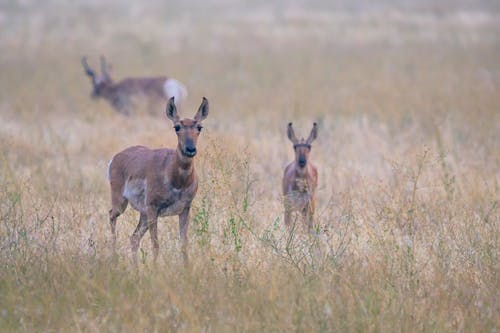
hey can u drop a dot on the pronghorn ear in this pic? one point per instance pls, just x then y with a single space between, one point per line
313 135
202 111
172 110
291 134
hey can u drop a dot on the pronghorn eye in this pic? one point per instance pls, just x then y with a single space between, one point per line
199 128
177 128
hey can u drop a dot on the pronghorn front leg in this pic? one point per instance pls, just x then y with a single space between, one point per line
308 214
153 229
183 229
121 104
139 231
288 215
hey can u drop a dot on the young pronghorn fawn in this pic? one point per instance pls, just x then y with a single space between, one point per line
300 179
120 94
157 182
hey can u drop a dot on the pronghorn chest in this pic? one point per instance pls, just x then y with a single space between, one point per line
160 194
299 194
174 203
171 200
301 185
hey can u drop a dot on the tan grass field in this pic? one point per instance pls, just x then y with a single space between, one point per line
406 95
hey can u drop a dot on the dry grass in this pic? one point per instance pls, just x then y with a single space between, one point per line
406 96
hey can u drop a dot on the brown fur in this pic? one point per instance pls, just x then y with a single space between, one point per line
120 94
157 182
300 181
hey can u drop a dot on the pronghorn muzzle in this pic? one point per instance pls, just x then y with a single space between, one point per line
302 161
302 158
190 151
189 148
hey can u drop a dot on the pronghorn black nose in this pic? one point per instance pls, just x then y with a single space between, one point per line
189 147
191 150
302 161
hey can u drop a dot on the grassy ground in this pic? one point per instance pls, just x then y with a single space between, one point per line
406 98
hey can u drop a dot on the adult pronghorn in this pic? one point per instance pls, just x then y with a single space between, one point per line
121 94
300 179
157 182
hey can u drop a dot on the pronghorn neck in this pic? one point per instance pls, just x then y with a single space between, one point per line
108 92
300 172
183 170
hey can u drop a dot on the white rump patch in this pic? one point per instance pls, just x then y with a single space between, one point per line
173 88
107 171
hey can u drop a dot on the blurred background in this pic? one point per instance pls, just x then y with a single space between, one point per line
383 79
406 95
264 56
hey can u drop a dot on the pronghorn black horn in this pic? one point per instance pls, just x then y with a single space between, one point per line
87 68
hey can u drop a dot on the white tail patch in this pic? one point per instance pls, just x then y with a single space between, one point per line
107 171
173 88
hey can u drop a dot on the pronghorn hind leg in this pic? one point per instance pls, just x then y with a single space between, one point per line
118 206
113 215
307 214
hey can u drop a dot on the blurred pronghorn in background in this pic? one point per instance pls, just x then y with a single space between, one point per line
121 94
300 179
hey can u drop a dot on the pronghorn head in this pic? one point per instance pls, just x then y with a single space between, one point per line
187 130
302 147
99 82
